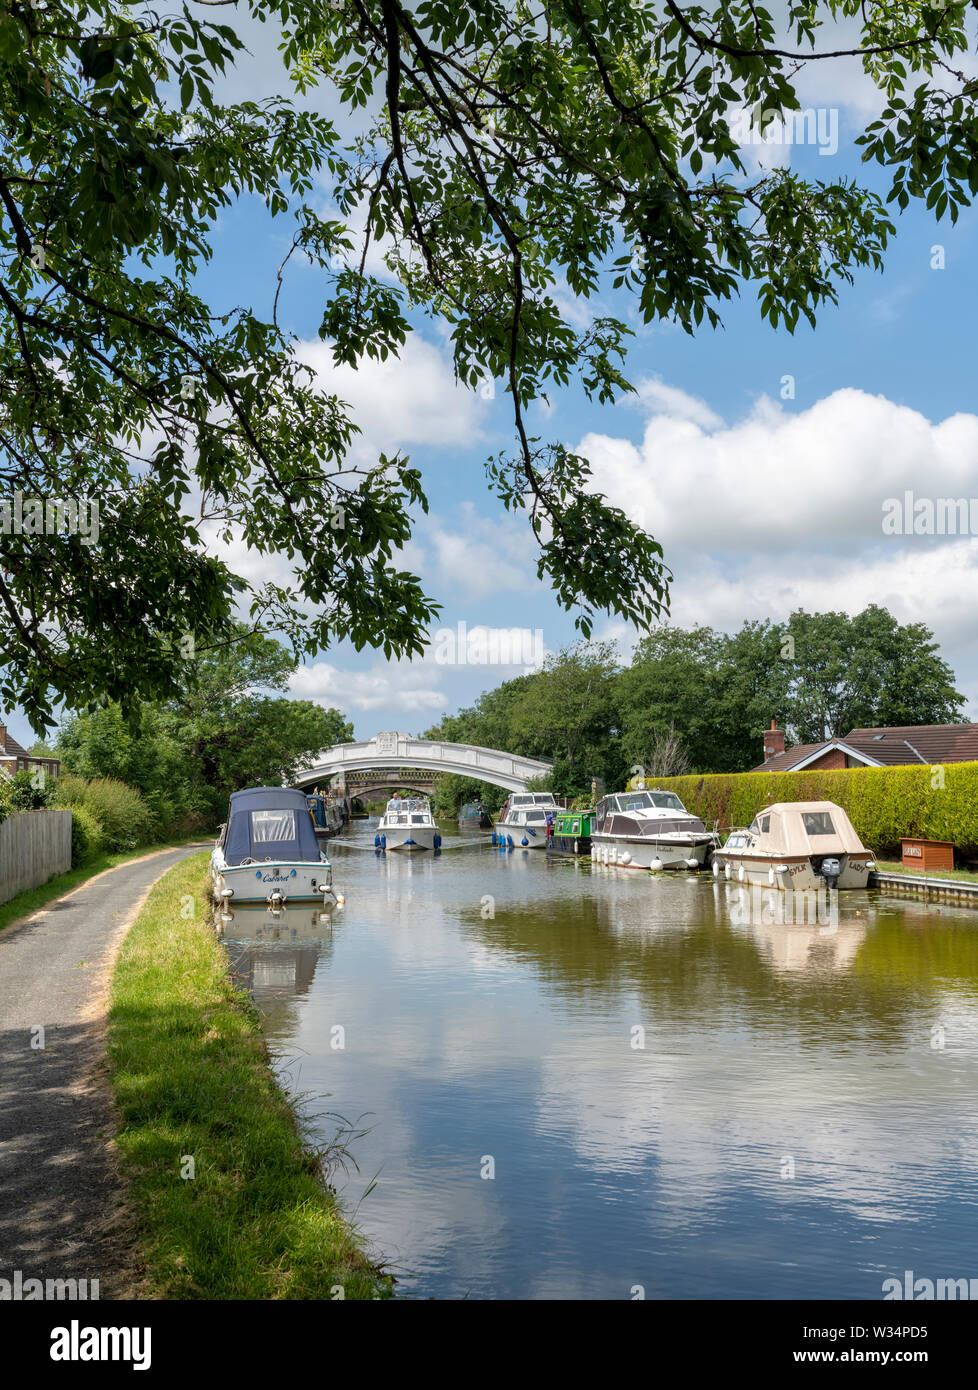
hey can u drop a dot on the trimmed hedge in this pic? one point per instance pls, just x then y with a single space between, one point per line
885 804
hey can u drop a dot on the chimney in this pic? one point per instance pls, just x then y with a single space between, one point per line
3 738
773 742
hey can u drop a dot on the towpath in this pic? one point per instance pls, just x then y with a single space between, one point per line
61 1214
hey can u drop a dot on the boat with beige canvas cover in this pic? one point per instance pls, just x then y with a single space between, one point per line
797 845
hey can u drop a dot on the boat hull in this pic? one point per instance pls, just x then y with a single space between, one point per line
791 872
633 852
300 881
570 846
522 836
474 823
410 838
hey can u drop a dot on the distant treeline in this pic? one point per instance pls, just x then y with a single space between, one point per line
697 700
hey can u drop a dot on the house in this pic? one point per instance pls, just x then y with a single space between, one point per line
909 743
14 758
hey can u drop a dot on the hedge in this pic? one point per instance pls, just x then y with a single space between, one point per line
885 804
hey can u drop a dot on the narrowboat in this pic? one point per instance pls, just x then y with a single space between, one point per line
474 816
797 845
407 823
572 833
327 818
525 820
649 830
267 850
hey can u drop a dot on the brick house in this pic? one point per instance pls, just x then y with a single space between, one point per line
14 758
911 743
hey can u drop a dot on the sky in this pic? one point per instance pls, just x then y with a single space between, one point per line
762 462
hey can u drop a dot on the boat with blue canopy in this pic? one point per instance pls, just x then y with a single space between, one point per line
268 851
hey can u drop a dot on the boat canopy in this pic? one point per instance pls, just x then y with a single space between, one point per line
805 827
269 823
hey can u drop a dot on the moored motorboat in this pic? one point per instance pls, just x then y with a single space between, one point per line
524 821
407 823
571 833
267 850
797 845
649 830
326 814
474 816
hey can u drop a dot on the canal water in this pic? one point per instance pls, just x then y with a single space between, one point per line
566 1081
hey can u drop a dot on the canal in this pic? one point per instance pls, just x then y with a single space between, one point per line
566 1082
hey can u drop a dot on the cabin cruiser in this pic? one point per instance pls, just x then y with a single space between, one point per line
649 830
797 845
474 816
525 821
407 823
267 850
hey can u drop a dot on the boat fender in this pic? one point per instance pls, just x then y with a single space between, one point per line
726 870
383 841
770 875
493 841
740 874
509 841
376 842
716 868
524 842
656 865
626 858
437 842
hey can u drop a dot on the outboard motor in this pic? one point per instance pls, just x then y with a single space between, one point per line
831 872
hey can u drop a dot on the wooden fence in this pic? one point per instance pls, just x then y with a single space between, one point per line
34 846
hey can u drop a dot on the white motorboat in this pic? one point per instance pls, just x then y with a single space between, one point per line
523 821
649 830
268 852
407 823
797 845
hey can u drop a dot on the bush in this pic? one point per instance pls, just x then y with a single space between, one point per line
27 794
123 818
86 836
885 804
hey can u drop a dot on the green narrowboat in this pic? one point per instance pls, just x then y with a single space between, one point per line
572 833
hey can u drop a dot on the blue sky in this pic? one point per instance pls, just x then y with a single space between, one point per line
762 504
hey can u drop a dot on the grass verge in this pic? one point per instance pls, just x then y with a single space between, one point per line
966 875
33 898
190 1070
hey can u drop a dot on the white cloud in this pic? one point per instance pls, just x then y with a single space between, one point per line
784 510
404 686
410 399
479 555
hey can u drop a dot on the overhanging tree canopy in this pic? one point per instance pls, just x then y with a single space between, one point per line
506 152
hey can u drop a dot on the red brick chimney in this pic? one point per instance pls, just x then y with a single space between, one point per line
3 738
773 742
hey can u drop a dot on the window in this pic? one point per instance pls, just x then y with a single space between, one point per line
417 820
817 823
272 826
575 827
765 824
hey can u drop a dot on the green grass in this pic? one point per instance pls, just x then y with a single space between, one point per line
895 867
191 1075
26 903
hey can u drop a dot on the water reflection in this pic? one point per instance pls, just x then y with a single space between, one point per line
638 1059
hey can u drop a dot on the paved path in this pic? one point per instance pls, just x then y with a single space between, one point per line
60 1199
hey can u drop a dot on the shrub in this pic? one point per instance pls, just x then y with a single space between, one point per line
122 816
885 804
86 836
27 794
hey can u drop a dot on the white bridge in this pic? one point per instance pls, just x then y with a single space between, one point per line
392 750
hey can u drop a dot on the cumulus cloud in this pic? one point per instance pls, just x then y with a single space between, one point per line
784 509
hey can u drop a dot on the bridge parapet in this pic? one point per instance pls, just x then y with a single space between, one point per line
390 750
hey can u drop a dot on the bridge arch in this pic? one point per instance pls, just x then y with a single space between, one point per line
395 751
